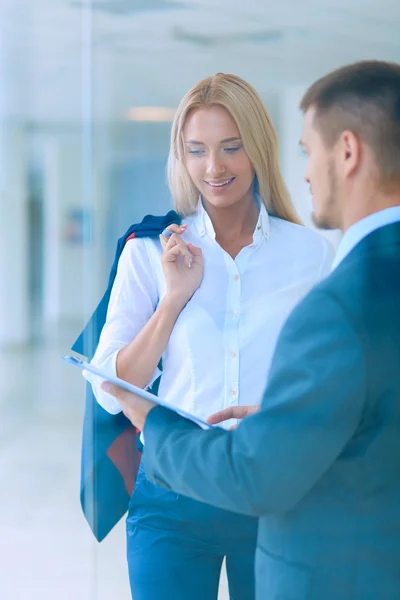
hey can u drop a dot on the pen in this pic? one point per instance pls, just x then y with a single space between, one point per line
167 233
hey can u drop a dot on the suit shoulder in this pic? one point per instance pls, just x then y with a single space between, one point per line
343 285
363 274
322 304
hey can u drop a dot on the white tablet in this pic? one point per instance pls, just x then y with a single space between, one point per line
85 366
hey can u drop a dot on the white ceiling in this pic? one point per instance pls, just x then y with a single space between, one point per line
62 59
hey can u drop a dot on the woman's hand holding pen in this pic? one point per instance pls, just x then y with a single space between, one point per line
182 264
137 361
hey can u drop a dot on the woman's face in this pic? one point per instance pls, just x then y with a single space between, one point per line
214 157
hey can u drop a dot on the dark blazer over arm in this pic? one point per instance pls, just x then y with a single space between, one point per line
110 459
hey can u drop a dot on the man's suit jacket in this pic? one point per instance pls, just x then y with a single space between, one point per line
320 463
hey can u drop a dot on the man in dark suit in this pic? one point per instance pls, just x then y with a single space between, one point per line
319 463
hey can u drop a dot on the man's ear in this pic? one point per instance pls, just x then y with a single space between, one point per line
349 152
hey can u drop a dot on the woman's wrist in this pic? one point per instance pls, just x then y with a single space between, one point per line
173 304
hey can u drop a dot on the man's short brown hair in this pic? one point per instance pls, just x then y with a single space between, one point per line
363 97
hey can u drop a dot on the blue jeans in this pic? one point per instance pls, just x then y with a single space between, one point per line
175 547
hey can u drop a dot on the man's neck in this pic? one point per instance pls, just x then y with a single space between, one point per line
376 202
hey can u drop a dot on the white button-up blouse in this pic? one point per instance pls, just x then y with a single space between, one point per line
220 350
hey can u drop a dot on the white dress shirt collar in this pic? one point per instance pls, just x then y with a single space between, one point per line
204 224
361 229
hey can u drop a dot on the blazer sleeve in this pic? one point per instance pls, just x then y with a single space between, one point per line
311 408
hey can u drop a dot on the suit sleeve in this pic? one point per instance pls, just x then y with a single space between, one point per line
311 408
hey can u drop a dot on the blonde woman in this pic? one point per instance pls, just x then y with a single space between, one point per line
210 300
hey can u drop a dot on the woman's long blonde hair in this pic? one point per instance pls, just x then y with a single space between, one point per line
258 136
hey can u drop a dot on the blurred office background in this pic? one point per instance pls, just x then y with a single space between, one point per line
87 90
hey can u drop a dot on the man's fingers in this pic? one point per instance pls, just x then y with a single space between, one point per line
232 412
221 415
